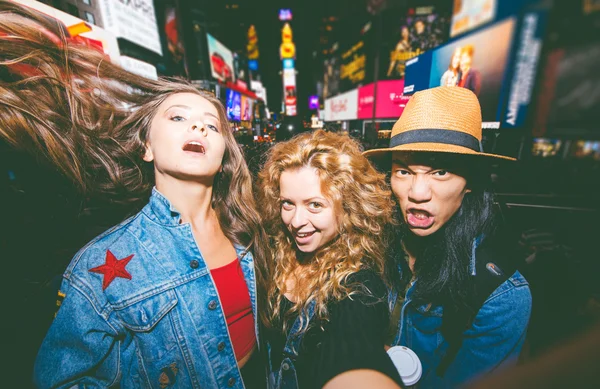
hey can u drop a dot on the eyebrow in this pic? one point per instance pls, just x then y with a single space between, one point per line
189 108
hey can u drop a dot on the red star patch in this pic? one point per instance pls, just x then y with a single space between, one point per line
112 269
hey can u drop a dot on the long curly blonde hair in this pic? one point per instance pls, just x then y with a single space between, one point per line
363 205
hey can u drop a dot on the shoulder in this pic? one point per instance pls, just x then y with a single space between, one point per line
115 236
367 283
515 288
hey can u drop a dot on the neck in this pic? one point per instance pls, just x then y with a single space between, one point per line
191 199
414 247
465 70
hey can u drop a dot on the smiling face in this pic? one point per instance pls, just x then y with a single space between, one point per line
429 189
185 140
308 215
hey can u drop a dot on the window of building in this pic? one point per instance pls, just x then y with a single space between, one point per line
88 2
89 17
72 9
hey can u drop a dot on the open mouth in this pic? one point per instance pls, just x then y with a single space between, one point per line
194 147
419 218
303 235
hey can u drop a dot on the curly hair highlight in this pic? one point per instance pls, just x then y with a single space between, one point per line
363 205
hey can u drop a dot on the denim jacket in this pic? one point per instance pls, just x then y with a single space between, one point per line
493 341
158 324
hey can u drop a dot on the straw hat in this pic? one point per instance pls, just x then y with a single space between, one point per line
445 119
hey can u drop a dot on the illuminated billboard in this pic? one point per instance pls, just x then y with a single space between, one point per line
221 60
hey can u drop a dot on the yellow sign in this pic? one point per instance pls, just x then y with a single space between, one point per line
287 48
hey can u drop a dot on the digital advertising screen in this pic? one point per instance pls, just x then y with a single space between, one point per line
233 104
469 14
221 60
473 63
569 101
544 147
247 107
407 34
356 66
583 149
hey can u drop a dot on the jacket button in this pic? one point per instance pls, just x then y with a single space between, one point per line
212 305
285 366
231 382
194 264
221 346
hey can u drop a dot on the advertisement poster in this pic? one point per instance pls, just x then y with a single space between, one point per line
542 147
528 49
473 63
407 35
469 14
342 107
233 104
246 108
390 101
331 78
569 101
221 60
92 35
132 20
240 67
356 59
174 55
366 99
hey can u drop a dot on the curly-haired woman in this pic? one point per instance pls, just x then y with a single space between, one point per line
324 206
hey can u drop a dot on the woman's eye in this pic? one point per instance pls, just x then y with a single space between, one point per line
316 205
177 118
286 205
212 128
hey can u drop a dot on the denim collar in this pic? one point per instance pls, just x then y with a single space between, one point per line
472 263
161 210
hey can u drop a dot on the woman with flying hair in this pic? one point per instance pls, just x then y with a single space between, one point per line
324 207
167 298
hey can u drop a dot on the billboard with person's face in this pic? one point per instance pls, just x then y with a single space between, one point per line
407 34
221 60
473 63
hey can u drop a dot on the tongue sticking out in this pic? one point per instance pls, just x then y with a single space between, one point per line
420 219
194 147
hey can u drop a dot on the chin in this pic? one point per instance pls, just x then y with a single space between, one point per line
423 232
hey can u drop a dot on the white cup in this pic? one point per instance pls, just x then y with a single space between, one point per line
407 363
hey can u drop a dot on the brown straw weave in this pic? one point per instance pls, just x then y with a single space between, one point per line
436 118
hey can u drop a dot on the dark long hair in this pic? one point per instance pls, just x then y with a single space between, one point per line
443 262
66 103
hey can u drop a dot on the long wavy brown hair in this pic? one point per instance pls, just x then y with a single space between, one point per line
66 103
363 205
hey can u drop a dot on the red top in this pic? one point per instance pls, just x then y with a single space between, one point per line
233 293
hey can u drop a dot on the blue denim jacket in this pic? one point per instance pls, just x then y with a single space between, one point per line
163 328
493 341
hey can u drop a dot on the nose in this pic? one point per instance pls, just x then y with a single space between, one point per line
199 126
299 218
420 189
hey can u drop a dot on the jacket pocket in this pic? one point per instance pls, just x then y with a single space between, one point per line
427 319
151 324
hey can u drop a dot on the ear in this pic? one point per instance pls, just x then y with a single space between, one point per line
148 155
467 190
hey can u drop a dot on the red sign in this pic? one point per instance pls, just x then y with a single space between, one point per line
365 101
389 102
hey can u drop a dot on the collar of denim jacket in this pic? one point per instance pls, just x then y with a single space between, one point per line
161 210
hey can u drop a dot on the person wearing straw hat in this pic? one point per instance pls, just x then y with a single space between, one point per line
457 299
